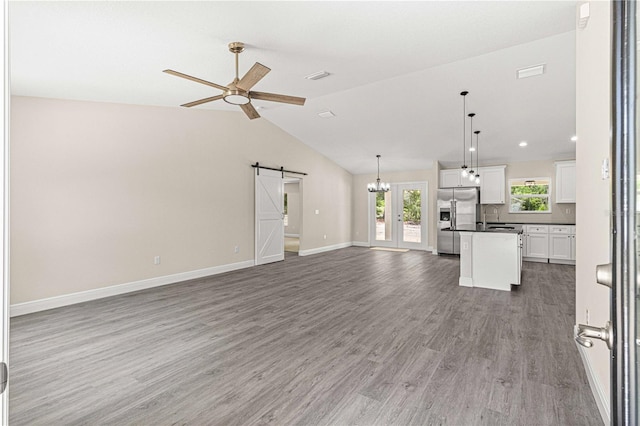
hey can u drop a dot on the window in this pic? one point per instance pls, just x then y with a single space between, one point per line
530 195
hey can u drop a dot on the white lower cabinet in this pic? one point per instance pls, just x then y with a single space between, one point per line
549 243
537 243
562 244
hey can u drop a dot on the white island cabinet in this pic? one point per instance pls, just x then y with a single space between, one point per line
490 259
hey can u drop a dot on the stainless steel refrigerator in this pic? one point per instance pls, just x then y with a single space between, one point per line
458 209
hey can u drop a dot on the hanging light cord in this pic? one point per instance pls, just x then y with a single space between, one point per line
464 127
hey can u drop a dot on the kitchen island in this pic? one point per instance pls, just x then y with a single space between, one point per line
491 257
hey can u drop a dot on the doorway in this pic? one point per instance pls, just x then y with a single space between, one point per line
398 217
292 215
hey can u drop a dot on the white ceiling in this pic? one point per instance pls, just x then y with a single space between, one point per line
397 69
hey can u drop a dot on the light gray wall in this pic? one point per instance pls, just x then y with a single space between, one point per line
99 189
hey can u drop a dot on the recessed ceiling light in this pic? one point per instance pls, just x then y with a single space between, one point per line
326 114
523 143
472 149
574 138
317 75
530 71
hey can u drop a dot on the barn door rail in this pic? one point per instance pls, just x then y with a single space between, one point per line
281 169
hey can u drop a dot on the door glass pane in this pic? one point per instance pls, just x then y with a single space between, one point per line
412 220
383 216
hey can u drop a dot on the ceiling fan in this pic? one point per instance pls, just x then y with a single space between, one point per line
239 92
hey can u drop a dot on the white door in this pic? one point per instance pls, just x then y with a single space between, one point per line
398 217
269 216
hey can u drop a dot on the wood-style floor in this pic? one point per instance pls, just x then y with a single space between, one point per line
353 336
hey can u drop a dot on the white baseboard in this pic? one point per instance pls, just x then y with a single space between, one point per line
360 243
323 249
366 244
601 397
292 235
465 282
98 293
562 261
536 259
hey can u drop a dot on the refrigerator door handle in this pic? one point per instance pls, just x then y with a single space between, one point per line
453 215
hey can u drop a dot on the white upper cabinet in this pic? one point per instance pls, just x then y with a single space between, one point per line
492 185
453 178
566 181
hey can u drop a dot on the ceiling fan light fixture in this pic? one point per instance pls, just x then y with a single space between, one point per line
236 97
238 92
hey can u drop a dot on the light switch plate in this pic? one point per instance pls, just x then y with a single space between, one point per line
605 169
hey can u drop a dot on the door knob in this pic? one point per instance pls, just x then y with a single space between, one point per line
587 332
604 274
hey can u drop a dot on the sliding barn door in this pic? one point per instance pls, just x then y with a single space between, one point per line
269 216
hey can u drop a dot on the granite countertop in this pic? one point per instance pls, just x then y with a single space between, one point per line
512 228
495 228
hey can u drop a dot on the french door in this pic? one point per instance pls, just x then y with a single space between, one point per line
398 217
625 197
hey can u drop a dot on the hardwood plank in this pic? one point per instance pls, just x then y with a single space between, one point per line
352 336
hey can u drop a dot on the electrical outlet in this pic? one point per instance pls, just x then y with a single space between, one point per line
236 249
495 211
567 211
325 236
156 260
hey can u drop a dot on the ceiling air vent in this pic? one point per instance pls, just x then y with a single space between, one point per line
326 114
531 71
317 75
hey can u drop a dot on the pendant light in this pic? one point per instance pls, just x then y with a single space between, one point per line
378 186
472 173
477 180
464 133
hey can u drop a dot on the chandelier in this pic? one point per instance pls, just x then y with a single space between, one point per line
378 186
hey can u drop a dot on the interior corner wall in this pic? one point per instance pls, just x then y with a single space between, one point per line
98 190
593 194
360 200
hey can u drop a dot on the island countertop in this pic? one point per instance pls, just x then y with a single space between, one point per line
505 229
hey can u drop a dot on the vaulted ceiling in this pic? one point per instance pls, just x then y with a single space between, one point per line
396 69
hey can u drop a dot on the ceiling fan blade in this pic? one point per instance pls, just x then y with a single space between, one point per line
196 79
250 111
202 101
274 97
254 75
